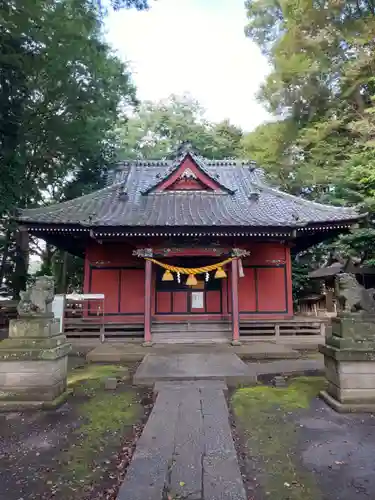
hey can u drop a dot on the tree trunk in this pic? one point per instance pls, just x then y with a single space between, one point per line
5 255
64 269
21 261
358 97
47 260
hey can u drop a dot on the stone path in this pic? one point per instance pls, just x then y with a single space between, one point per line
194 366
186 450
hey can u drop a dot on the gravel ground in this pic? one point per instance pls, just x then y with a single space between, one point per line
302 451
80 451
339 450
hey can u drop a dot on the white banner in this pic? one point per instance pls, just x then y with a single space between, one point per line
197 300
241 273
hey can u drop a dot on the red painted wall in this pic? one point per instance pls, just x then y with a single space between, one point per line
111 269
264 292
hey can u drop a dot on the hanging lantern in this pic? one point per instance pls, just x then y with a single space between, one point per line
220 273
192 280
167 276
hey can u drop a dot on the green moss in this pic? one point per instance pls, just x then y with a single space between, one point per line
94 375
263 414
106 416
298 394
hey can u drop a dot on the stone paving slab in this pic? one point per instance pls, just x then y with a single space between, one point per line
219 385
250 349
195 366
186 449
147 473
288 366
116 352
186 471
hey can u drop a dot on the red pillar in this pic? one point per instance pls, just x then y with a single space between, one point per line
148 284
235 310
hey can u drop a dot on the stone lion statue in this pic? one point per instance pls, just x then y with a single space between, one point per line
37 298
352 296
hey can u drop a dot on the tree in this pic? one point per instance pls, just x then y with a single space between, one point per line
322 89
61 91
127 4
158 128
321 84
267 145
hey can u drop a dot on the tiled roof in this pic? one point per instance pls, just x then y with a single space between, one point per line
129 200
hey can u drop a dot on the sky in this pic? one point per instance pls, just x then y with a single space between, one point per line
196 47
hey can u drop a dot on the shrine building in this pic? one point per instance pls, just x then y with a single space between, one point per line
188 239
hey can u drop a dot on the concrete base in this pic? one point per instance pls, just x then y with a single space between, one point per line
147 344
10 406
347 407
33 365
350 375
202 366
349 359
117 352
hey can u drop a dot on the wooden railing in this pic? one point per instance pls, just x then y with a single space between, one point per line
84 319
282 329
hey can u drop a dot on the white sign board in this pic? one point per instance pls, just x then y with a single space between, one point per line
197 300
58 309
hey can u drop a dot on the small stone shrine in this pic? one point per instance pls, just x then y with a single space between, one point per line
33 360
349 353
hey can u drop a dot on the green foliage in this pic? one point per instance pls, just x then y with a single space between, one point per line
358 244
61 92
322 89
138 4
71 87
300 279
158 128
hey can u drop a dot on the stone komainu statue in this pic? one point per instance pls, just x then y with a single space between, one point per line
37 299
352 296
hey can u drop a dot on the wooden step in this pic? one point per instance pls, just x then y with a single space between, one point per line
191 327
188 338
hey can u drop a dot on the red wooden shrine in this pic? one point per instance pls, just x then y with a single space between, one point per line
188 211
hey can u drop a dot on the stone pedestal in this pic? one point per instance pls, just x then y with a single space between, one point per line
33 365
349 358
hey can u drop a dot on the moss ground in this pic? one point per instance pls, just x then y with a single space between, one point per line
263 416
104 419
81 450
104 416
